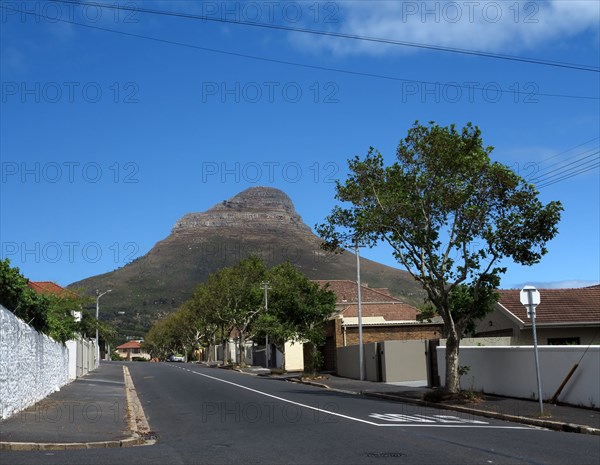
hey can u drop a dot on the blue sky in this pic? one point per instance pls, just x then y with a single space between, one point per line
107 139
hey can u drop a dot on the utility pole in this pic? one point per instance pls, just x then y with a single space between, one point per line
98 295
266 287
361 355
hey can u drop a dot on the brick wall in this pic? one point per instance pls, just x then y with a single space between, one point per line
391 333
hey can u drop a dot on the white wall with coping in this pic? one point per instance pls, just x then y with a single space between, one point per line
72 350
32 365
82 357
485 341
510 371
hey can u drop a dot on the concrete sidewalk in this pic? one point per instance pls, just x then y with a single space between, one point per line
557 417
91 412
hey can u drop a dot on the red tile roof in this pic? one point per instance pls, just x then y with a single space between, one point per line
130 345
389 311
346 291
48 287
375 301
557 305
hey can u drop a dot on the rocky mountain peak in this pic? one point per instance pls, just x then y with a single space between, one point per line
258 198
257 208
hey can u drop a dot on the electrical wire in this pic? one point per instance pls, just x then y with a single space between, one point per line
568 150
573 66
564 172
544 176
596 166
292 63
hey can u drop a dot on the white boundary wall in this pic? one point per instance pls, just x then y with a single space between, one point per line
510 371
32 365
82 357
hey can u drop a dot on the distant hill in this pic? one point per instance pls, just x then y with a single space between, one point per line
259 220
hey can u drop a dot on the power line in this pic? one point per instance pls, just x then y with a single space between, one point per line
297 64
574 66
570 172
579 165
541 177
570 176
568 150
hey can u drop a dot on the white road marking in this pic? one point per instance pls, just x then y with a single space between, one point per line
360 420
417 418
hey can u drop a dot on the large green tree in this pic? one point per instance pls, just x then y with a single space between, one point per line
18 297
297 309
49 313
231 299
163 338
206 319
450 215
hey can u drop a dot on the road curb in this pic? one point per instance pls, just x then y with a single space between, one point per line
553 425
138 425
321 385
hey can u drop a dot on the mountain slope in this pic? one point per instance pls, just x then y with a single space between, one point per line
260 221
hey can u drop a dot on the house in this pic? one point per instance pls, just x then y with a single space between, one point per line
384 318
131 350
51 288
564 316
82 351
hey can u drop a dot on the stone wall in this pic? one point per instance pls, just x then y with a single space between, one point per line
32 365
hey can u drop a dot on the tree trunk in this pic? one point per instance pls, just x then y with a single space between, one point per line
185 353
283 359
209 357
313 362
242 348
452 376
225 344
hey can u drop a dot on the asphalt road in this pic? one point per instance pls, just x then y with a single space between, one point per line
203 415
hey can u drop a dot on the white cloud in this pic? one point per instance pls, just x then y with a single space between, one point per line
493 26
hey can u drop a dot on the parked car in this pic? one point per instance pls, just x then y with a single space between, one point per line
176 358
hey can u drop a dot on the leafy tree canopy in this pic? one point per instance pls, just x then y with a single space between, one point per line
450 215
48 313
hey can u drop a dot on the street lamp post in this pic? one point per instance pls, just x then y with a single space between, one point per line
98 295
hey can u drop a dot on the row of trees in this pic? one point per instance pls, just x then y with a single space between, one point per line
234 300
51 314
